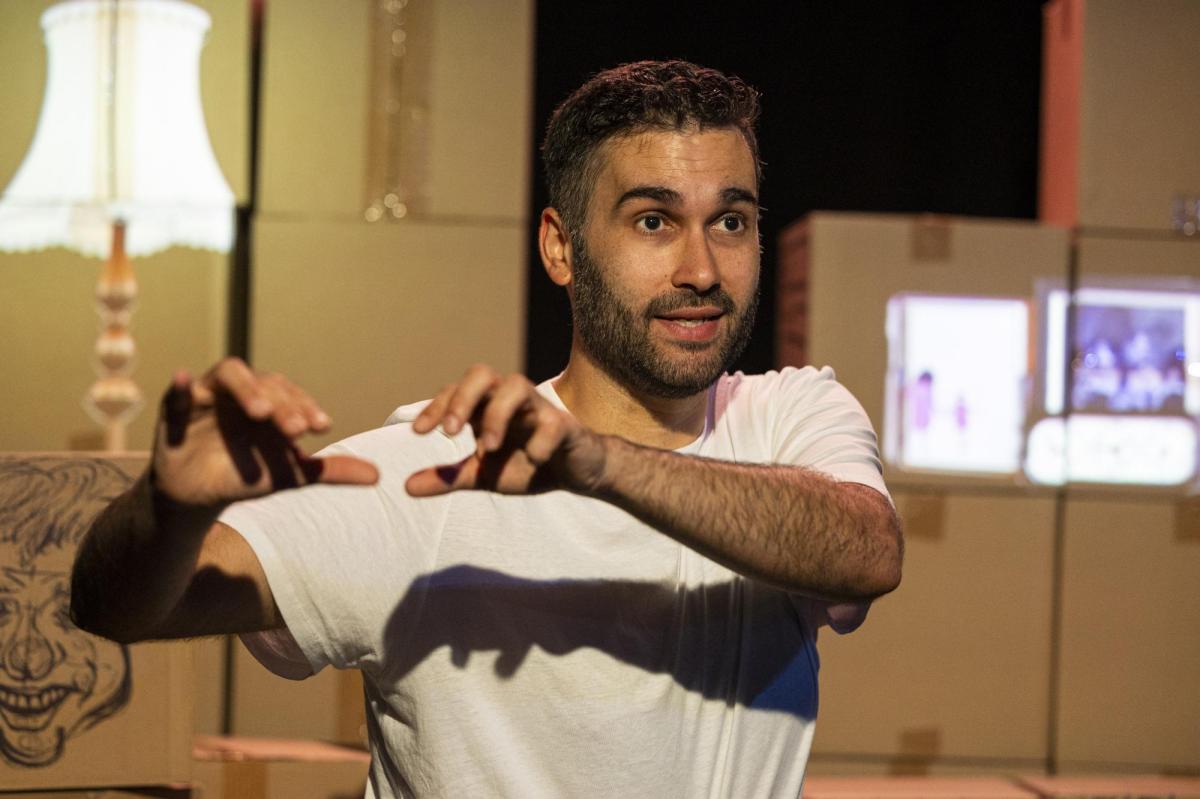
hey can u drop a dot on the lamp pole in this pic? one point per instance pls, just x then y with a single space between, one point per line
114 398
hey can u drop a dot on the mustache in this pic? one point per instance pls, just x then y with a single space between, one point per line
666 303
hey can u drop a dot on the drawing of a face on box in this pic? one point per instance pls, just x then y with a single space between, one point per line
56 681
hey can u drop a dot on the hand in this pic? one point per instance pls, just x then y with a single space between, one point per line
230 435
524 444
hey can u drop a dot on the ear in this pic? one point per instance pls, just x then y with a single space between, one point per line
554 243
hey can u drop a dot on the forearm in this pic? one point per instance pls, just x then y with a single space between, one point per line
136 563
787 526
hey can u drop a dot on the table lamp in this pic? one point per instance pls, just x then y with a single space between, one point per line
120 166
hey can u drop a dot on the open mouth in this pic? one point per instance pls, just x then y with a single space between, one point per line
31 709
692 323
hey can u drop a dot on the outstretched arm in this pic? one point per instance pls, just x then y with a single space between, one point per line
155 563
785 525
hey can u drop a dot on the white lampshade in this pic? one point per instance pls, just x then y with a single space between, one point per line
120 140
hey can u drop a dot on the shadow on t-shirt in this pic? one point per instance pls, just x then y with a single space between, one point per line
740 640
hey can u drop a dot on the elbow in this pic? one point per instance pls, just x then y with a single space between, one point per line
87 614
882 573
890 563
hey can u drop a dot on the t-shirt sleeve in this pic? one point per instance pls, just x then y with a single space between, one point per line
820 425
339 558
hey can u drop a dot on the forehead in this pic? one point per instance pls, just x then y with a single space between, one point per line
692 162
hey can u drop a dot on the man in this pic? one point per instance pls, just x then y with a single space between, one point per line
627 604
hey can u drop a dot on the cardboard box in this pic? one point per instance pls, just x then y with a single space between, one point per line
77 710
1129 686
180 791
470 68
326 707
838 271
264 768
1119 113
953 667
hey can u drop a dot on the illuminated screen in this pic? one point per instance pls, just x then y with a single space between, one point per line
1134 383
957 377
1132 352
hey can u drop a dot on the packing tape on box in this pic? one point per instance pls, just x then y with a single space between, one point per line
244 779
923 515
932 238
1187 520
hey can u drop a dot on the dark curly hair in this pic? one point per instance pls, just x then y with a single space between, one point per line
629 99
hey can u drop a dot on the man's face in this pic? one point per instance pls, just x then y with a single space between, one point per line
55 679
665 283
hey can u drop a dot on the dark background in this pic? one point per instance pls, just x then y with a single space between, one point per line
902 107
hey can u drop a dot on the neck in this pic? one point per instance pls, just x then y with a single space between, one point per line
609 407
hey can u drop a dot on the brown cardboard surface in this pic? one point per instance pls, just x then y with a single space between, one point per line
406 310
913 788
316 108
164 792
954 664
857 262
1115 257
126 716
1112 787
1120 87
328 706
1130 689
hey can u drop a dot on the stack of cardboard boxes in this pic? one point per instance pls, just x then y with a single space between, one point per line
1038 628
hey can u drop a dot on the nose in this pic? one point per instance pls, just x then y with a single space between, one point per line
697 269
27 655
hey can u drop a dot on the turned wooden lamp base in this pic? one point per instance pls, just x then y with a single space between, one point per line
114 399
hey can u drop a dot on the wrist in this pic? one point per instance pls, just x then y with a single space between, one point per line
169 513
611 449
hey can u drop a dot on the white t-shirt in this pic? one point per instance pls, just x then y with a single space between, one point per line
553 645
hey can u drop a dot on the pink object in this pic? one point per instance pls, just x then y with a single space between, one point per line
226 747
913 788
1143 787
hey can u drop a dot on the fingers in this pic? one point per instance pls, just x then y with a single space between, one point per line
177 407
491 403
514 393
457 402
268 396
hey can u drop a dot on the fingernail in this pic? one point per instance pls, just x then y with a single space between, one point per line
450 424
260 407
489 441
294 423
322 418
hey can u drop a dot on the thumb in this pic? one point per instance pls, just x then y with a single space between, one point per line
341 470
437 480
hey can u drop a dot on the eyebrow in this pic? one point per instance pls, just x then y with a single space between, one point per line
736 194
657 193
666 196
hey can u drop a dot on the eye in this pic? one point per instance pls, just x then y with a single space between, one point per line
732 223
651 223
